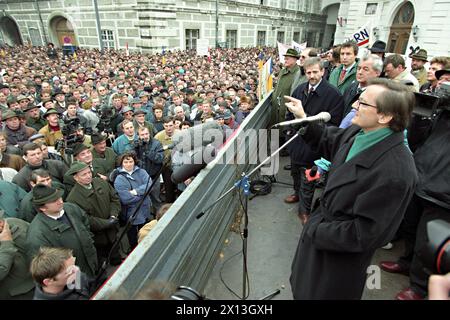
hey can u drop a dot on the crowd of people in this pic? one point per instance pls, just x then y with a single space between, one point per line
371 176
86 151
85 141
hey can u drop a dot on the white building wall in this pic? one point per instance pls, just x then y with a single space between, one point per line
432 18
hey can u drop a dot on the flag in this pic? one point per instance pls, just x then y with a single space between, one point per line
282 49
127 52
260 61
74 55
163 56
362 35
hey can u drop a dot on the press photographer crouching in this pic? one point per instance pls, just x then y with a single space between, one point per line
429 134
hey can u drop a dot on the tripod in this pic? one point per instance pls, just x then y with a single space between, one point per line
244 184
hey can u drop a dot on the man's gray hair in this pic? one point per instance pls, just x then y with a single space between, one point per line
377 62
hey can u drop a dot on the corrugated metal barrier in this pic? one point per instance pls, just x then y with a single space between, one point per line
182 249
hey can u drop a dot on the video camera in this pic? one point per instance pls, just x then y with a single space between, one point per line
430 104
105 115
70 137
436 253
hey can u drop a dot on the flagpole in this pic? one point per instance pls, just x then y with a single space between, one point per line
99 28
217 23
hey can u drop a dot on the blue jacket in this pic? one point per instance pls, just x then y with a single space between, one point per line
140 181
151 156
122 144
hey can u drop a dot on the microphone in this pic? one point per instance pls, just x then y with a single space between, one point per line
321 117
199 159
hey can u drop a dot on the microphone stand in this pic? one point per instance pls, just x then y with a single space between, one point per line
244 184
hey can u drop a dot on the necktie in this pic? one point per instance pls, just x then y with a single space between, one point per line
342 76
311 90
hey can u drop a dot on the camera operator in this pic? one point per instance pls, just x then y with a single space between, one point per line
432 196
51 131
150 155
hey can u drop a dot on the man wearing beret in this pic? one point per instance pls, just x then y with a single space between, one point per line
82 153
106 155
100 202
64 225
17 134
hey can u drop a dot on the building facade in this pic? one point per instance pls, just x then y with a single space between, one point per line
153 25
400 23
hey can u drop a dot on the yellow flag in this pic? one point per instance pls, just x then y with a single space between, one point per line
75 55
269 83
164 60
260 64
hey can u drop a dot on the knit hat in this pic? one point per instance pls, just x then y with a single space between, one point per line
97 138
43 194
76 167
78 148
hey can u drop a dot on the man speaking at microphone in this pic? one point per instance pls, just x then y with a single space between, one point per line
370 183
316 96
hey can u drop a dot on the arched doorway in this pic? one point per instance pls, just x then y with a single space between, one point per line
10 31
401 29
63 31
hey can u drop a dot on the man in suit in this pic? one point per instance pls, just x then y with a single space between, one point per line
354 216
316 95
343 76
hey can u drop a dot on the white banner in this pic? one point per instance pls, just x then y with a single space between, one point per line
282 49
299 47
202 47
362 35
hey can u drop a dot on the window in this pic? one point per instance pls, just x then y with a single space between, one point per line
283 4
35 37
108 39
191 38
261 39
307 7
297 37
371 8
280 36
231 38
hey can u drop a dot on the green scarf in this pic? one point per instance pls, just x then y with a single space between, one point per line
364 141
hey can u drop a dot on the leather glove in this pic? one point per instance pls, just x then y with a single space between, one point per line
112 222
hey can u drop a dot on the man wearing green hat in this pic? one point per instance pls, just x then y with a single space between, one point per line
51 131
102 152
82 153
100 202
60 224
287 76
419 59
17 134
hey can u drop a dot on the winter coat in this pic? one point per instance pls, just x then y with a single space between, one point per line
108 160
140 181
324 98
351 94
47 232
433 162
15 277
151 157
51 136
20 136
57 169
283 88
122 144
12 161
81 293
349 78
360 210
97 168
10 197
99 203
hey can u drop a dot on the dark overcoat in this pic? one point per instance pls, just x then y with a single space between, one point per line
360 210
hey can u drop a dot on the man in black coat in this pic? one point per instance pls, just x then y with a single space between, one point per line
370 183
316 96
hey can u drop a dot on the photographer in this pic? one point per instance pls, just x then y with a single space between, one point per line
432 196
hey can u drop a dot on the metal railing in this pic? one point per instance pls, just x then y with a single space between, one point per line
181 249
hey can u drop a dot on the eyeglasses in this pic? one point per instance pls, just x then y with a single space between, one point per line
359 102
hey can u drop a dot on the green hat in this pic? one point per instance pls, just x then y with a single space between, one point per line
78 148
292 53
43 194
49 112
420 55
76 167
9 114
